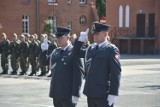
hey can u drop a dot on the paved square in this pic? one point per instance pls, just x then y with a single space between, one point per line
140 86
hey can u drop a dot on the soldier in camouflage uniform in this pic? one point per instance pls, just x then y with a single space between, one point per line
14 54
4 53
33 51
38 41
52 46
23 47
27 36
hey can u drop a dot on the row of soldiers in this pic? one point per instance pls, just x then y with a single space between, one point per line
24 51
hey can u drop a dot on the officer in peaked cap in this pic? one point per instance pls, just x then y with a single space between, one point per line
98 27
104 69
66 71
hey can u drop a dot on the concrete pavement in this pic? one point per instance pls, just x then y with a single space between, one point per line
140 86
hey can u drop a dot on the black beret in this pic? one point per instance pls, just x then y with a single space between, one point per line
98 27
60 31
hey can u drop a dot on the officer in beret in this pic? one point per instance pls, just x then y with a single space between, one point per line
104 69
14 54
5 50
66 71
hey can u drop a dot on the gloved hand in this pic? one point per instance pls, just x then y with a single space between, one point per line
75 99
111 99
83 35
44 45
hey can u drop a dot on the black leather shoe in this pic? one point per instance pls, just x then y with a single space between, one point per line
4 72
21 73
13 73
41 74
31 74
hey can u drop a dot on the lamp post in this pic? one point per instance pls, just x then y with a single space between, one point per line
54 4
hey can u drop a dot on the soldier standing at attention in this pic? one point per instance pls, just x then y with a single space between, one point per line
66 69
14 54
27 37
104 69
33 51
38 41
41 62
4 53
52 46
23 47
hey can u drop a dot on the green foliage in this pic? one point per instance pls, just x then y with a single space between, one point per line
48 27
101 7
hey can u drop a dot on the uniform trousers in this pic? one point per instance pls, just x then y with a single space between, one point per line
63 103
97 102
4 62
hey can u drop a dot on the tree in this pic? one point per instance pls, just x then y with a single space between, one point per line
48 27
101 7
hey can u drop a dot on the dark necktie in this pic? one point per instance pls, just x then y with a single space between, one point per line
97 47
61 52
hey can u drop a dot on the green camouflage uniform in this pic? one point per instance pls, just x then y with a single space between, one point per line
33 52
14 55
4 55
24 46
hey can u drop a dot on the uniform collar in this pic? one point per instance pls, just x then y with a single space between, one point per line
65 48
102 43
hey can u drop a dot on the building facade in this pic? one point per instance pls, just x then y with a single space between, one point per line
135 25
28 16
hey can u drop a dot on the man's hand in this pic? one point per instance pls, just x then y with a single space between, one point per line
44 45
75 99
111 99
83 35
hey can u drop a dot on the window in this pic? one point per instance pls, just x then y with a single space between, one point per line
69 1
53 21
50 2
82 1
120 16
83 20
25 24
70 25
25 2
127 17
